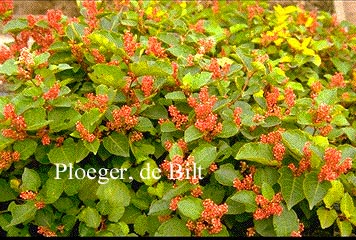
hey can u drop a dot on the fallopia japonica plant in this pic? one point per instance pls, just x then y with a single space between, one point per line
260 102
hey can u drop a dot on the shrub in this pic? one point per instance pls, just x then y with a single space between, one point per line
178 119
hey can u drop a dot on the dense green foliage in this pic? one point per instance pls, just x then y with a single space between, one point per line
260 103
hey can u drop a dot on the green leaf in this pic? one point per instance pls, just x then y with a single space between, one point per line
285 223
152 68
91 119
314 191
204 155
229 129
69 152
115 191
62 119
191 134
226 174
159 208
156 111
347 206
291 187
41 58
26 148
117 144
247 198
180 189
295 140
176 96
15 25
30 180
266 174
92 146
115 213
257 152
267 191
191 207
52 190
90 217
334 194
141 151
327 96
168 127
326 217
9 67
345 227
196 81
145 125
35 118
141 225
264 227
109 75
342 65
7 193
174 227
149 172
21 213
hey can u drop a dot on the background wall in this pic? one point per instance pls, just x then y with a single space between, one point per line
345 9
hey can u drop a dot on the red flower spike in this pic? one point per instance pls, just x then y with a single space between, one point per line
177 118
130 45
52 93
337 81
84 133
154 47
333 167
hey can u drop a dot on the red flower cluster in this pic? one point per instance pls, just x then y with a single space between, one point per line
299 232
43 134
54 20
198 26
53 92
178 118
123 120
247 182
174 203
28 195
196 192
254 10
92 12
333 166
46 232
42 36
237 118
7 158
275 138
154 47
136 136
40 204
5 7
322 114
99 101
18 125
147 85
179 168
210 218
99 58
337 80
206 120
205 45
304 163
5 54
84 133
217 71
130 45
272 98
289 97
268 37
268 208
175 72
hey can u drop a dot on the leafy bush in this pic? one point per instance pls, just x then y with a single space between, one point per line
178 119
